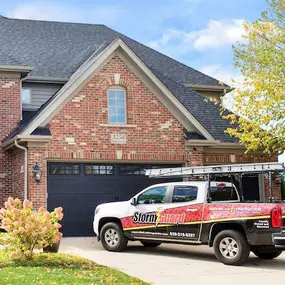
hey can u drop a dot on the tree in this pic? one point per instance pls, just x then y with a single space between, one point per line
259 103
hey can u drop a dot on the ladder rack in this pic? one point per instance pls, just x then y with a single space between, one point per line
217 169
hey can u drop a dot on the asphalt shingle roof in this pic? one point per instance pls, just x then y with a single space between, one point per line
7 59
57 50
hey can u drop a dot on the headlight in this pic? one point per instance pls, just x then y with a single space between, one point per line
97 210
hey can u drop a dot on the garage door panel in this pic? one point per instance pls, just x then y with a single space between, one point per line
79 188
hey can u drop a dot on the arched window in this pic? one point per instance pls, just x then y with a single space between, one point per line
117 113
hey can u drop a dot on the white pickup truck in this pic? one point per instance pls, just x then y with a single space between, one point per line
187 213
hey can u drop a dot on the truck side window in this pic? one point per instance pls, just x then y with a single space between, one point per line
223 193
156 195
184 193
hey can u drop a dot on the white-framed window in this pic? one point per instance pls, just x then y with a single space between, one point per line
26 96
117 113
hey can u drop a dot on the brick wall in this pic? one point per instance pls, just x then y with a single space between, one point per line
224 158
9 119
79 131
37 192
18 162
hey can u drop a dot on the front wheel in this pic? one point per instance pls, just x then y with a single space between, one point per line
150 244
231 247
113 238
267 255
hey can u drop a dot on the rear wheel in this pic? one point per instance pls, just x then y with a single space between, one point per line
231 247
150 244
266 255
112 237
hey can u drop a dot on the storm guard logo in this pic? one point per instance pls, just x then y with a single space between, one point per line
158 218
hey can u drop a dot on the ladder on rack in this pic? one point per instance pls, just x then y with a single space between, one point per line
232 169
217 169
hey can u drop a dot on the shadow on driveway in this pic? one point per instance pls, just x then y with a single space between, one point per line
205 255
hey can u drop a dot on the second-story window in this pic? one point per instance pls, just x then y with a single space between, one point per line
26 96
117 106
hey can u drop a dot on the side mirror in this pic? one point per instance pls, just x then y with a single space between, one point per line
134 201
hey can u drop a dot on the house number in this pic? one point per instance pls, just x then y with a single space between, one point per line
118 138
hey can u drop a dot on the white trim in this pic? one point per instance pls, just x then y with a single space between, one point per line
119 125
202 142
17 68
210 87
34 138
25 138
84 73
229 145
125 105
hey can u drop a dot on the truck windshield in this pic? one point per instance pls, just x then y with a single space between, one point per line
223 193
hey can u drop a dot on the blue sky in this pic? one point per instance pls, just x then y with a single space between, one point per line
199 33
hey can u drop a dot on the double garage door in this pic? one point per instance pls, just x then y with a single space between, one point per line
80 187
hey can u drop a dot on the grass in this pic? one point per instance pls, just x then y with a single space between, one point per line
60 269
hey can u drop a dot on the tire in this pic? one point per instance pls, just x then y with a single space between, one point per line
231 247
267 255
113 238
150 243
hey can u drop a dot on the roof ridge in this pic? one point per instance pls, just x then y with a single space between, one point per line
179 62
50 21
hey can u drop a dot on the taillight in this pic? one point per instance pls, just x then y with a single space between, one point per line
276 218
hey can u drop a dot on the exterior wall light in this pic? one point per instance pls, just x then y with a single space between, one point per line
37 172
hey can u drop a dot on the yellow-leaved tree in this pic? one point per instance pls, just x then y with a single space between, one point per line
260 100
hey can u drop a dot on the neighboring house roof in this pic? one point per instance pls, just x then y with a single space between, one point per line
58 50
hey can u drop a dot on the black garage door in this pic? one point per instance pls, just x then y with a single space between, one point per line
80 187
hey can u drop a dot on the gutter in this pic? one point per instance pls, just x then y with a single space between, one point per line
214 144
225 89
202 142
17 68
38 79
25 169
30 138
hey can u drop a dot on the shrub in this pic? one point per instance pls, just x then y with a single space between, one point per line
26 229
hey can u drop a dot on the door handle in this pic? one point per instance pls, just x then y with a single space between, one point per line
192 210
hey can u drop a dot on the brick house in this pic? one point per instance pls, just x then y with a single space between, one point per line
93 108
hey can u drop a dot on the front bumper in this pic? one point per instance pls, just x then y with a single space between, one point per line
279 240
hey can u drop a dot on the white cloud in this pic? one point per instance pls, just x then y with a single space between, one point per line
216 34
228 76
100 14
223 74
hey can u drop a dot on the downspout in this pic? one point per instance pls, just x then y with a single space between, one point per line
25 170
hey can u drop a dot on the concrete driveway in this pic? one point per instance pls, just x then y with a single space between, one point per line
178 264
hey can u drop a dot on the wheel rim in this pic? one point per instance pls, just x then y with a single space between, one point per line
111 237
229 248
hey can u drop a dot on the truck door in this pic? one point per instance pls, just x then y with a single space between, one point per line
187 211
145 214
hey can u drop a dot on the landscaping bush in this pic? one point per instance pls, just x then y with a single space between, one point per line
26 229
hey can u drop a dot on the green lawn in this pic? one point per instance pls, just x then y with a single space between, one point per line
60 269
